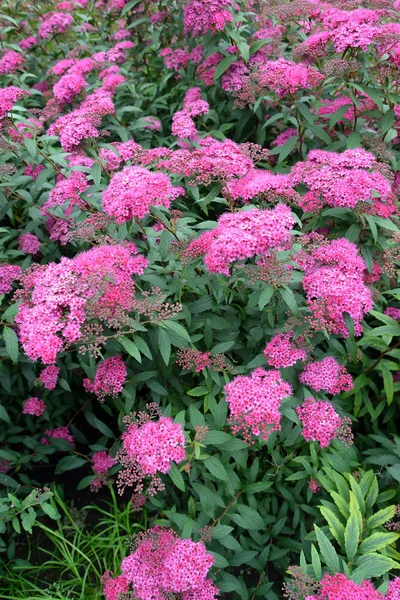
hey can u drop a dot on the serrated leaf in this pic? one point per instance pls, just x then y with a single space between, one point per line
248 518
164 345
265 296
68 463
377 541
130 347
327 551
382 516
224 65
373 565
176 328
50 510
176 477
11 342
351 536
216 468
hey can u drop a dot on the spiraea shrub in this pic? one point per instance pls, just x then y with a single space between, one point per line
200 296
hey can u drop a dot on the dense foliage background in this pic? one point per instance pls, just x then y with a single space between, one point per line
200 299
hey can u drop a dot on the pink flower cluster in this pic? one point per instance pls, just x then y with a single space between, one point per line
260 183
109 379
68 87
213 160
54 23
134 190
124 151
68 191
10 62
327 374
346 180
8 273
155 445
162 565
245 234
57 299
334 284
338 587
393 312
321 423
59 433
201 16
29 243
183 125
102 462
254 403
284 77
49 377
34 406
8 97
181 57
284 351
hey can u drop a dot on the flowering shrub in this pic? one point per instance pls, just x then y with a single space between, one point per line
199 292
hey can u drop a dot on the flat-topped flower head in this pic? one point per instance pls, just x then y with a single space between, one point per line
321 423
109 379
254 403
134 190
34 406
328 375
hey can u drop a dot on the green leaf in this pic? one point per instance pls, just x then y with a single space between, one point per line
248 518
382 516
388 383
289 298
4 414
377 541
258 486
176 477
16 525
164 345
221 531
128 7
11 342
373 565
50 510
30 145
130 347
97 424
265 296
216 468
28 519
327 550
196 392
176 328
316 563
68 463
224 65
335 526
351 536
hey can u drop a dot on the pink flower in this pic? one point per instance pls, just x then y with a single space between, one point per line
59 433
245 234
334 284
68 191
49 377
102 462
201 16
8 273
393 312
27 43
321 423
327 374
58 299
284 351
314 485
29 243
348 180
109 379
260 183
155 445
393 592
114 588
10 62
8 97
54 23
34 406
254 403
338 587
284 77
132 191
162 564
69 86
